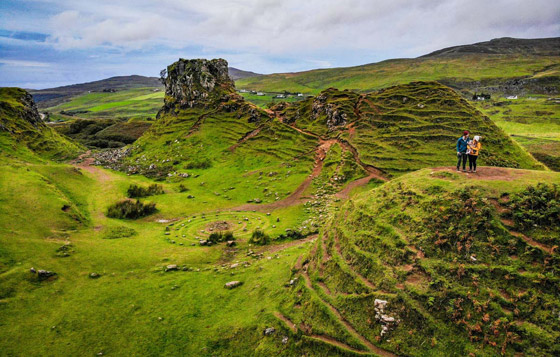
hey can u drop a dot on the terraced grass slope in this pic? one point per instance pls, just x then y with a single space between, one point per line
405 127
530 65
23 132
436 263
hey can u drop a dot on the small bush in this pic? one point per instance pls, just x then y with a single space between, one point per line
259 237
223 236
183 188
119 232
129 209
199 163
139 191
538 205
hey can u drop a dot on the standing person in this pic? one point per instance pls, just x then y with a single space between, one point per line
462 146
474 147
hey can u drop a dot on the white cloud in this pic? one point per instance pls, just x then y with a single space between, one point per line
291 26
22 63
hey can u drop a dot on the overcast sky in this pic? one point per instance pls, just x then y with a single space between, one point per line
47 43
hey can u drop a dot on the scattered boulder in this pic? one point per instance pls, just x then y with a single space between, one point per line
45 274
230 243
233 284
269 331
94 276
171 267
203 242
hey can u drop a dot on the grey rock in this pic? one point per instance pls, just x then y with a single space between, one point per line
233 284
269 331
171 267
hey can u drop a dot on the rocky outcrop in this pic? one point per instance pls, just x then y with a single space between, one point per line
25 110
335 117
198 83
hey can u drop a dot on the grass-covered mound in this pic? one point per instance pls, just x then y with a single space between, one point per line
406 127
21 127
432 263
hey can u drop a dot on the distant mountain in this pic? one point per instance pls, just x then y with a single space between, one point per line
504 46
236 74
504 65
53 96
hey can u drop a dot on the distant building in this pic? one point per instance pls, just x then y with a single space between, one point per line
300 94
243 91
280 96
260 93
512 97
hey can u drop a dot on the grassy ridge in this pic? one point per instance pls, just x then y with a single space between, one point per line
466 68
21 124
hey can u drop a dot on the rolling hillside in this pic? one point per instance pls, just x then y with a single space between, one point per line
530 66
227 229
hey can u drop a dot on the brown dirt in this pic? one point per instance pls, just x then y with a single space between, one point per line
85 162
331 341
349 328
488 173
287 321
293 243
417 278
532 242
247 136
296 196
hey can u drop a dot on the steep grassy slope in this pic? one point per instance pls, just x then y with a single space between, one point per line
480 276
405 127
21 128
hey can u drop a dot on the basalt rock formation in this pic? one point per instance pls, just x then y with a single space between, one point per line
198 83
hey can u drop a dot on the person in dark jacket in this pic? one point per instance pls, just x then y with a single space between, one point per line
462 145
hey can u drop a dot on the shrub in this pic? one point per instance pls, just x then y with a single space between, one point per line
538 205
199 163
183 188
129 209
139 191
259 237
119 232
223 236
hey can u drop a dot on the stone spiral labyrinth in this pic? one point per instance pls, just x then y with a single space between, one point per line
241 224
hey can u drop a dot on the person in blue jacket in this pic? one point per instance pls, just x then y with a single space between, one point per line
462 145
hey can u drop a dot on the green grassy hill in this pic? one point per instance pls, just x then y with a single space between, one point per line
405 127
436 263
21 129
274 178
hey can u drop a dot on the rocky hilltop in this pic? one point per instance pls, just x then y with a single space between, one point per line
20 122
197 82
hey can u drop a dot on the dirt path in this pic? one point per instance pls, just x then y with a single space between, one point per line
293 243
487 173
331 341
85 162
287 321
296 196
247 136
349 328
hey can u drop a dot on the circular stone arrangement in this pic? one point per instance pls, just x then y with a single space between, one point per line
241 224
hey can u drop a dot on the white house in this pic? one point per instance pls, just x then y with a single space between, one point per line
260 93
511 97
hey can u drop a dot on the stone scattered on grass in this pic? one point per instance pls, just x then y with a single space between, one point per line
233 284
94 276
269 331
171 267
